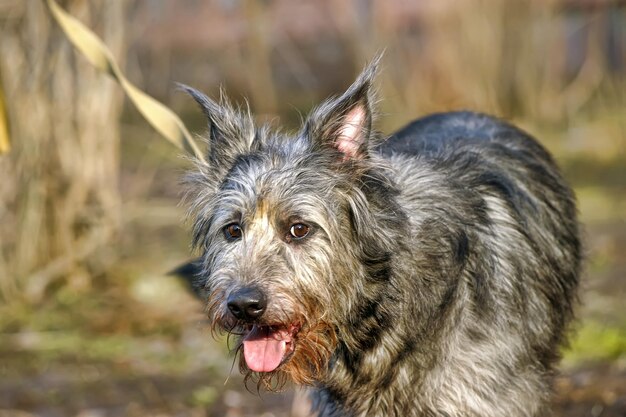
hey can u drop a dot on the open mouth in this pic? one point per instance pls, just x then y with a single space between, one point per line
265 348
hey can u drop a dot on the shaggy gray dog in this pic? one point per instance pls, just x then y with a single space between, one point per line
429 274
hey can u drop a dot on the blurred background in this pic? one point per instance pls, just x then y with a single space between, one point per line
90 221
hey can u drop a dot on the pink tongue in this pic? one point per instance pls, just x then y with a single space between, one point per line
264 349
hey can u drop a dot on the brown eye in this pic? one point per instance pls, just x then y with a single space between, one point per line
232 231
299 231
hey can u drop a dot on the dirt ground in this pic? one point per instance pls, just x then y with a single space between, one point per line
104 390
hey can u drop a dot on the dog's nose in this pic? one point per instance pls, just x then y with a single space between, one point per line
247 304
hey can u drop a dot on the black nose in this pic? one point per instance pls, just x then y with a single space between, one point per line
247 303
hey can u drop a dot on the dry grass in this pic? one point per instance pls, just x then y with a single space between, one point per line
59 195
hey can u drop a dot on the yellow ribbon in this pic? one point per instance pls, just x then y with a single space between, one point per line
166 122
5 143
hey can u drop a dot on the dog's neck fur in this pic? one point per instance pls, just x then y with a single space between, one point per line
373 362
413 361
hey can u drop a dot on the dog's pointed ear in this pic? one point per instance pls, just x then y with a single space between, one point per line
346 122
230 131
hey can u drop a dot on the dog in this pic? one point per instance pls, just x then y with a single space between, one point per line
431 273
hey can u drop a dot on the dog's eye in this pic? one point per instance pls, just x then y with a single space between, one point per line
299 231
232 231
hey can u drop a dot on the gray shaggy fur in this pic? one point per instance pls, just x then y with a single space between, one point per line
438 274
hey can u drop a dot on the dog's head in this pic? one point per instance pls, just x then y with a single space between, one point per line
292 229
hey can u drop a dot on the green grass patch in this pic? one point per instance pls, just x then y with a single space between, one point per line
203 396
595 342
